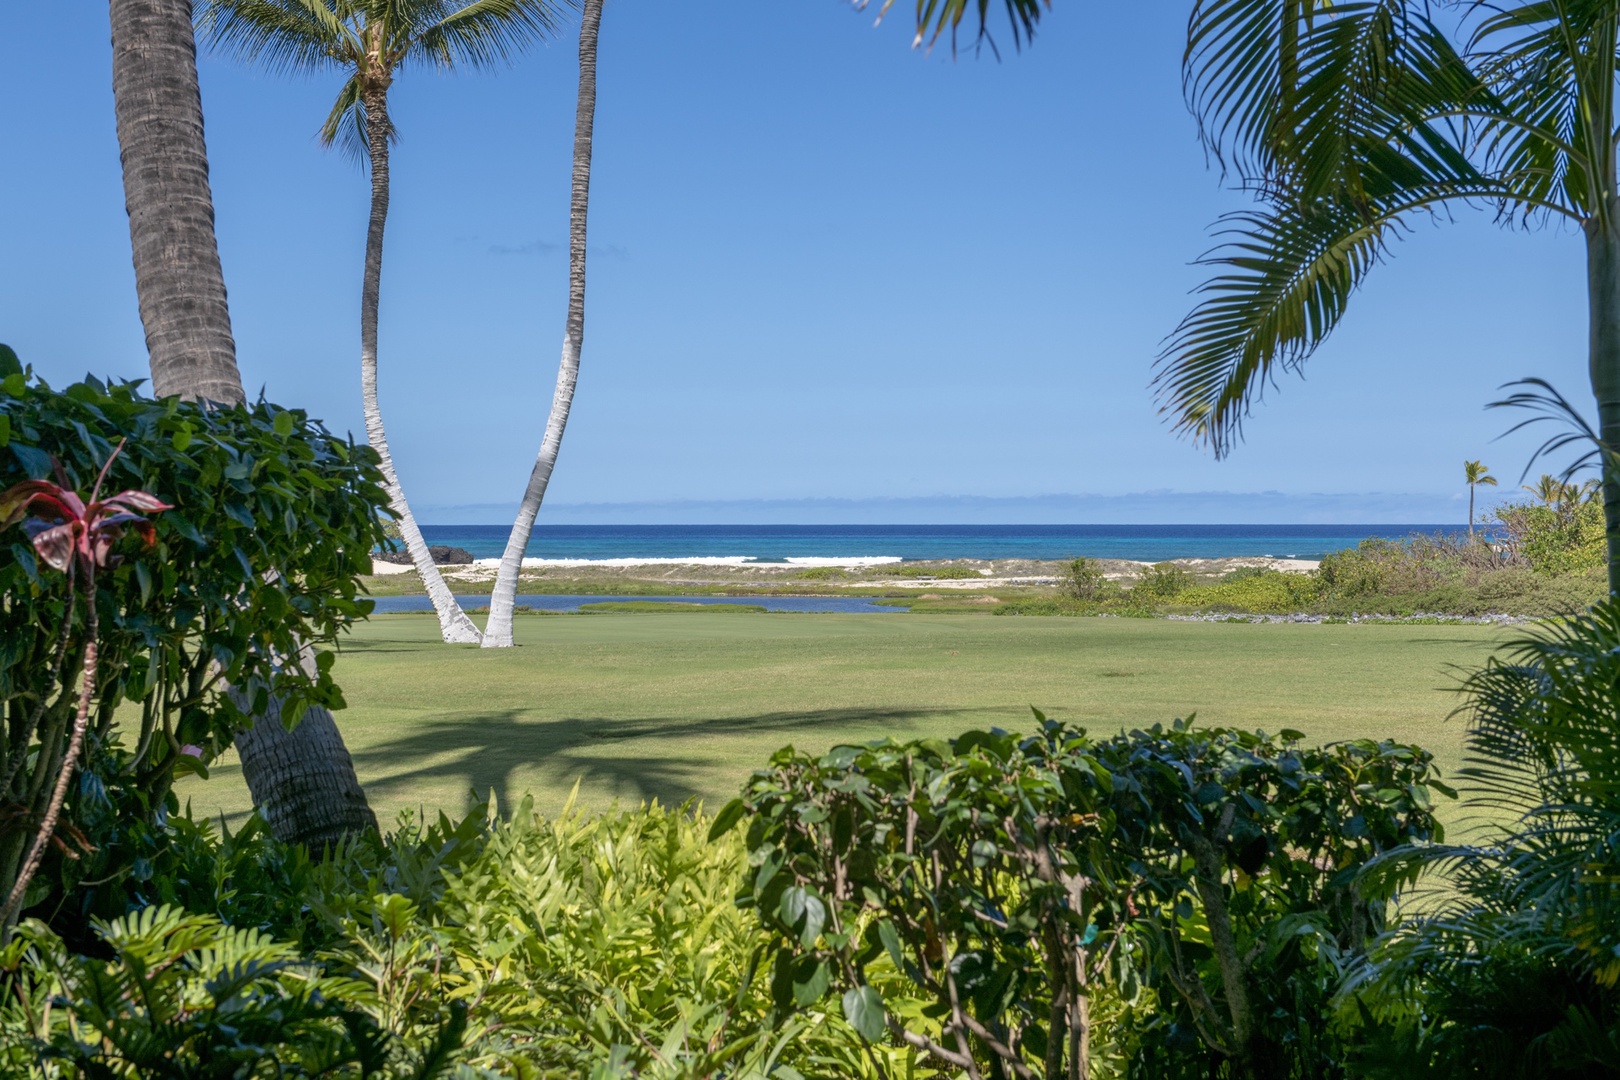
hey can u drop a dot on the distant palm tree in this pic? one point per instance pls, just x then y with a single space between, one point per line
1477 474
503 598
1352 121
1549 490
371 41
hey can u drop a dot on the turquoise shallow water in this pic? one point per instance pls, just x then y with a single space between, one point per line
780 543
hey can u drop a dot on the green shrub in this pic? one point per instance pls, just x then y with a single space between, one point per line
1083 580
995 897
823 573
1566 537
1164 581
186 995
260 556
603 946
1271 592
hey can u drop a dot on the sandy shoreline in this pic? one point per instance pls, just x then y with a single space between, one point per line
864 572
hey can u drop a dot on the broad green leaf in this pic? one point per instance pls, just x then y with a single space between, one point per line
727 818
863 1008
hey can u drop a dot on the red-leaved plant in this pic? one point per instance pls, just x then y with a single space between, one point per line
77 538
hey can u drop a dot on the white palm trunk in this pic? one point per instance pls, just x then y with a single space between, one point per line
454 625
498 629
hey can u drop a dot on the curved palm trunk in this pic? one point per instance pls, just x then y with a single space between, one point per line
1603 299
454 625
188 332
498 628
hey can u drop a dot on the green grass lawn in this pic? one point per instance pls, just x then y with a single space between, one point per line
638 706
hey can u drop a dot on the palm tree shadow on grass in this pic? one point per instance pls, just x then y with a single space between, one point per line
481 751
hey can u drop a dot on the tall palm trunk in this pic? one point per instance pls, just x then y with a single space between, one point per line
454 625
1603 301
178 281
188 333
498 628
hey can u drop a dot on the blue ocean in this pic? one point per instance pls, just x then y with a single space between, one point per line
782 543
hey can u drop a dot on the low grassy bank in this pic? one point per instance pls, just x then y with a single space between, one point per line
636 706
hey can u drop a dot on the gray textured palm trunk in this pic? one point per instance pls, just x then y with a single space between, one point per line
1603 300
302 781
454 625
503 600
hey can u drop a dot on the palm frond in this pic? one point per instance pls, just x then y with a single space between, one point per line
283 35
479 33
935 17
348 126
1328 99
1285 280
1551 63
1547 405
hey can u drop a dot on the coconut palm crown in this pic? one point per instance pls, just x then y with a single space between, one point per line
1351 121
370 42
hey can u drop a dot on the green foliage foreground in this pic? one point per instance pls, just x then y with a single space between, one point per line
1181 902
258 558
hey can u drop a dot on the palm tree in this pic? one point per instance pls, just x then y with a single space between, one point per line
1537 893
503 601
1476 474
1549 490
1349 121
370 42
303 780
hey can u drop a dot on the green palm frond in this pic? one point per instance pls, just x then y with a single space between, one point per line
347 126
1284 282
482 33
935 17
1540 398
370 41
1348 118
1551 63
283 35
1341 99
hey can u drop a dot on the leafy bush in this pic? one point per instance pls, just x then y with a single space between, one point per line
603 946
1083 580
272 523
1268 592
977 900
1565 537
1164 581
823 573
186 995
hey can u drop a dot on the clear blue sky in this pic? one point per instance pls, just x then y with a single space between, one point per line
824 266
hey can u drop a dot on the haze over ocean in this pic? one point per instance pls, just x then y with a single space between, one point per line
781 543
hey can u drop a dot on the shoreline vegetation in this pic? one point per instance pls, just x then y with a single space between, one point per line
1419 578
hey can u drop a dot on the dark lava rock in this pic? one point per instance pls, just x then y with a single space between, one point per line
441 555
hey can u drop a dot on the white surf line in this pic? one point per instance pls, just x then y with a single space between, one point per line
797 562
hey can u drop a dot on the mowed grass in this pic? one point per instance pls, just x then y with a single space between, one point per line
670 706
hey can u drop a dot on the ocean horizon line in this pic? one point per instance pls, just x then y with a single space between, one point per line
810 544
1136 508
